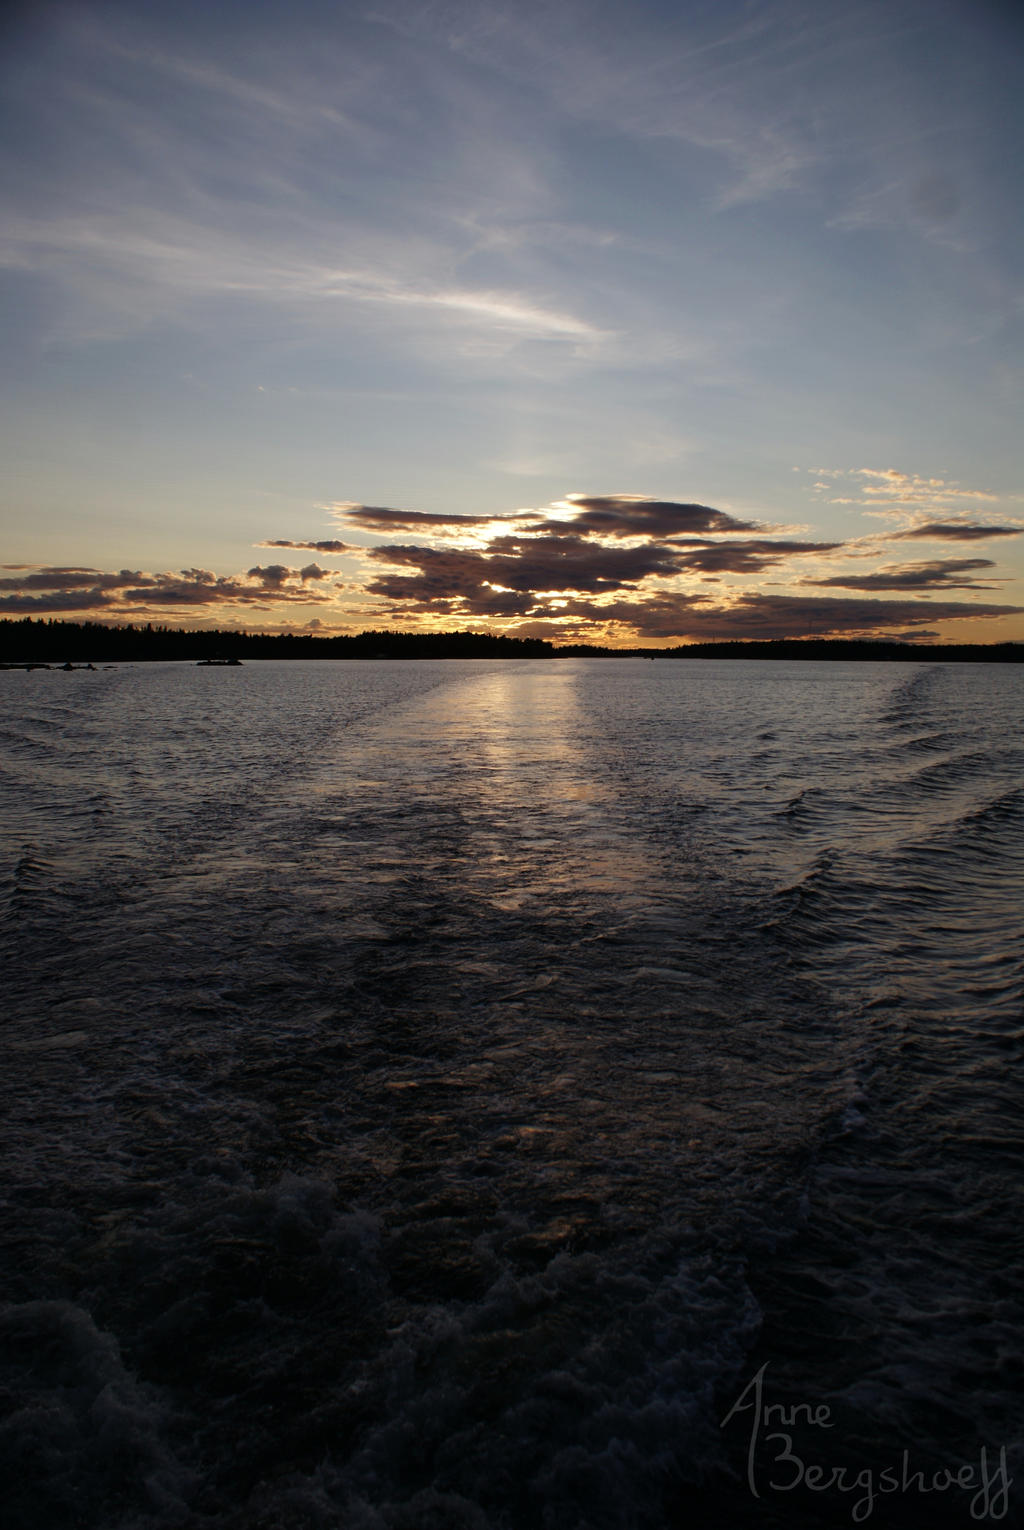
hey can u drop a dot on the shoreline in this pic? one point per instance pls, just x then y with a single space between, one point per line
30 644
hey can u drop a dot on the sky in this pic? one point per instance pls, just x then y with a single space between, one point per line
648 323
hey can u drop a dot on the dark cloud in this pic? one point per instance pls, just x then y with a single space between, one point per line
631 515
534 566
225 592
48 591
609 515
417 594
522 565
382 518
500 603
747 557
49 605
593 554
320 547
603 562
274 575
827 616
670 614
70 579
571 563
954 531
695 619
940 574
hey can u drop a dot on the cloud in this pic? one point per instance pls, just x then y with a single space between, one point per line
69 579
564 564
384 518
119 260
953 531
520 565
940 574
612 566
45 591
275 575
635 515
894 494
224 86
218 591
670 614
907 488
578 515
498 578
503 310
320 547
690 83
47 605
691 618
746 557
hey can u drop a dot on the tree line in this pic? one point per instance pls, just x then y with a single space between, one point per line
36 641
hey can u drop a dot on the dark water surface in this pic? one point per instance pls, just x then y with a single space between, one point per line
432 1092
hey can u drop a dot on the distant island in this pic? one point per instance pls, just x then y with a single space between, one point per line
38 642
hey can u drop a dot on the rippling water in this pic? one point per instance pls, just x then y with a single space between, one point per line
433 1091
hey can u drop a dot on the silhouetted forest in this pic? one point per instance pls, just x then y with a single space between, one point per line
29 641
80 642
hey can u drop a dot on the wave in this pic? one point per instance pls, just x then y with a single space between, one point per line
1005 809
910 696
83 1441
29 891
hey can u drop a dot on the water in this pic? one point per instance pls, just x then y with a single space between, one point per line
433 1091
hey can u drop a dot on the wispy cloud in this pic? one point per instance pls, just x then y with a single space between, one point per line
893 494
386 519
187 261
320 547
689 83
260 172
910 489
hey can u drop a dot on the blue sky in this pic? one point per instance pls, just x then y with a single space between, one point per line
270 271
